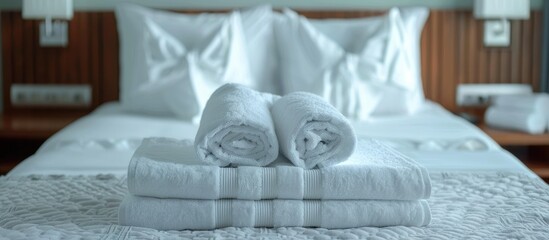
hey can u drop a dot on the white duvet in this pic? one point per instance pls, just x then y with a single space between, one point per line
104 141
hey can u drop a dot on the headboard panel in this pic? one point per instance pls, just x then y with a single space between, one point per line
452 53
91 56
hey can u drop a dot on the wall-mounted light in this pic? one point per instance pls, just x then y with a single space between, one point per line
52 33
497 30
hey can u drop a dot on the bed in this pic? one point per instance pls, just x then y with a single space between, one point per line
73 185
109 136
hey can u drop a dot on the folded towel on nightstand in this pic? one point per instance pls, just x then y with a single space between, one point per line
526 113
528 102
515 119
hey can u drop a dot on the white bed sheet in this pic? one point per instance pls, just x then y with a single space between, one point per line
104 141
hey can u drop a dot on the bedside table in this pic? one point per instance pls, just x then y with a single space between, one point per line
22 134
532 150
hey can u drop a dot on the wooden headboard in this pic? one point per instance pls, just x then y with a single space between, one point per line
451 53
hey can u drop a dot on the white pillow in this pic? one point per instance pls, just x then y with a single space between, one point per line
353 76
170 66
257 23
181 65
394 100
414 19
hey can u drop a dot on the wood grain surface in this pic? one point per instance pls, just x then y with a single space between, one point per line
452 52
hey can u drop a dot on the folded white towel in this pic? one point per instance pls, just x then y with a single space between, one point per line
179 214
311 132
168 168
533 102
520 120
236 128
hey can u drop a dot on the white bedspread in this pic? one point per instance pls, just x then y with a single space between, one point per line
464 206
479 190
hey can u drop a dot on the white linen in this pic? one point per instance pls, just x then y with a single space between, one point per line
530 102
370 73
469 162
430 129
470 205
180 214
168 168
520 112
257 26
342 31
77 161
261 48
182 65
528 121
116 130
311 133
104 141
413 19
237 128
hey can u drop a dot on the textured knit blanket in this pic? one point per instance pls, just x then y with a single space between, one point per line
464 206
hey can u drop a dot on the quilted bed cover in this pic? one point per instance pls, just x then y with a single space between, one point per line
72 187
464 206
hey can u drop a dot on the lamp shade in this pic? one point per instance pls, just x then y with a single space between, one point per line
40 9
508 9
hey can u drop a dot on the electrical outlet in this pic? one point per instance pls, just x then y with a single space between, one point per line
480 94
50 95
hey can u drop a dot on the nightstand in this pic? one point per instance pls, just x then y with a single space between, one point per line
532 150
22 134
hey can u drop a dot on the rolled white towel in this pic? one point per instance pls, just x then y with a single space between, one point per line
236 128
179 214
531 102
520 120
311 132
168 168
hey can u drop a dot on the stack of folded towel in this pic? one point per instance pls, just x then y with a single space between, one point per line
232 175
526 113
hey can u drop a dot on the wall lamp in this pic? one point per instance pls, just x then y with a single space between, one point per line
52 33
497 29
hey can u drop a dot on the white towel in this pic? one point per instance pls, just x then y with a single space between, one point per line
179 214
531 102
311 132
168 168
519 120
236 128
